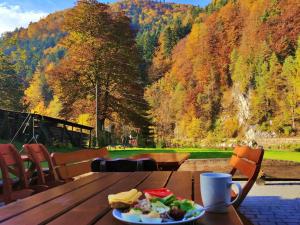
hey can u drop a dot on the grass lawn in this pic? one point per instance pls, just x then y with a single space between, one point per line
282 155
196 153
201 153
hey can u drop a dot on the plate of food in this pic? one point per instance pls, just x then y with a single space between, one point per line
159 206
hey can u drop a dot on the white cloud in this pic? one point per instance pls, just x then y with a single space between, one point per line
12 16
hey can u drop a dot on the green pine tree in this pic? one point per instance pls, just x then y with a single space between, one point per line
291 73
11 88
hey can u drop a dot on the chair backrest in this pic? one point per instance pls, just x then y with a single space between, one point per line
72 164
39 154
247 161
11 162
123 165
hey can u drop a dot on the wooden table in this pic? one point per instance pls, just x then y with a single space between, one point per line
165 161
84 201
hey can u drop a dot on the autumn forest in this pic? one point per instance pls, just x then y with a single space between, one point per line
179 75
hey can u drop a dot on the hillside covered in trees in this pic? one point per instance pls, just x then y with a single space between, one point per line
237 73
188 74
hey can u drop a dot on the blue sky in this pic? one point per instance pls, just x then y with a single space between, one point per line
19 13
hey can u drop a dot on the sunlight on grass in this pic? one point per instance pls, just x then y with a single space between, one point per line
281 155
202 153
196 153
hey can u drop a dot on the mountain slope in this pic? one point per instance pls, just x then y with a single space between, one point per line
233 73
35 50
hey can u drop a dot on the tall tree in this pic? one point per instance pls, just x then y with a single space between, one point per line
267 83
291 73
101 65
36 92
11 88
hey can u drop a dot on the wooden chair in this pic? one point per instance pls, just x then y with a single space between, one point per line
73 164
11 163
38 154
248 162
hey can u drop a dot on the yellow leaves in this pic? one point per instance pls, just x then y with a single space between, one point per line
84 119
230 127
194 129
33 94
241 74
189 128
39 108
54 107
49 67
36 99
196 40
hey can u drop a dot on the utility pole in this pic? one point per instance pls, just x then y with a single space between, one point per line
97 114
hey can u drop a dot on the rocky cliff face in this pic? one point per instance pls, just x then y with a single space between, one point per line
251 131
243 106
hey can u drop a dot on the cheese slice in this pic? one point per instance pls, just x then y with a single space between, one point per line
128 197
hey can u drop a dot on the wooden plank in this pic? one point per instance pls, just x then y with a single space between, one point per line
248 153
9 158
230 218
180 184
58 206
72 164
73 170
196 188
247 168
60 158
97 206
164 157
23 205
155 180
165 161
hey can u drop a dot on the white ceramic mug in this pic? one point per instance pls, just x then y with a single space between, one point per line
216 191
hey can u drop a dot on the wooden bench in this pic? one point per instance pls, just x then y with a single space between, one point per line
73 164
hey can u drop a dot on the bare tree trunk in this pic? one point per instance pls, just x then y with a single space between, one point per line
97 114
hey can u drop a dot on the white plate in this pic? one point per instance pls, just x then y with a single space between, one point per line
117 214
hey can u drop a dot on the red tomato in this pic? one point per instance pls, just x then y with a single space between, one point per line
159 192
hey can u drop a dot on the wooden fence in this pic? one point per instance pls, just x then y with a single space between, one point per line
27 127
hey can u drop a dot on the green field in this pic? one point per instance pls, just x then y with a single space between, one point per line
199 153
196 153
282 155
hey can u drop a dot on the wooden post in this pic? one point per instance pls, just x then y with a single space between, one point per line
80 137
97 114
62 135
90 143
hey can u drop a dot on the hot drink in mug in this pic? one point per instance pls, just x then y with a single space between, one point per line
216 191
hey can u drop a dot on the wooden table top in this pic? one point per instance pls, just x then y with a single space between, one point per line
161 158
84 201
165 161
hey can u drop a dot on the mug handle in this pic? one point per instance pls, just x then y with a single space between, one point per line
239 191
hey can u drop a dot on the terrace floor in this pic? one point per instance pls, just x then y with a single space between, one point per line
273 203
269 202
